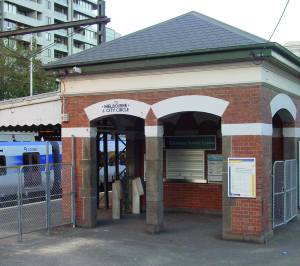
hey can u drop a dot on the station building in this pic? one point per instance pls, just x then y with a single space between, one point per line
189 94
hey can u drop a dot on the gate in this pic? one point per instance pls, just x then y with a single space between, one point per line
35 197
285 191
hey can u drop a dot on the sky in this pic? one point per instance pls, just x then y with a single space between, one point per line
258 17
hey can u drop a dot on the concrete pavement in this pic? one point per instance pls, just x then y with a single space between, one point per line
188 239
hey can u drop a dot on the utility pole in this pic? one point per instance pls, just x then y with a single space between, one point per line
101 32
31 69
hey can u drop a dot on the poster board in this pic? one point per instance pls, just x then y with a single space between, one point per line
215 167
242 177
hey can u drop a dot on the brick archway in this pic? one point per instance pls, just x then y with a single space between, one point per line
190 103
283 101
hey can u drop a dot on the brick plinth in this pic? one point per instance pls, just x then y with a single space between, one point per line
193 197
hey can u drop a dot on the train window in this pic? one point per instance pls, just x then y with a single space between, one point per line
32 169
3 170
30 158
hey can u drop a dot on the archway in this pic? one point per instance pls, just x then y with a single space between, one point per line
118 149
187 127
284 155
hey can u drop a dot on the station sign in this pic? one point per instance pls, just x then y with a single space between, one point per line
115 107
205 142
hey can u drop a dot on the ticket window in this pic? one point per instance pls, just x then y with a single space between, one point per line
184 162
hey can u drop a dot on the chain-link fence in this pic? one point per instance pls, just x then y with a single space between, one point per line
35 197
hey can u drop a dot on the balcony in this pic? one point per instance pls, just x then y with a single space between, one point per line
61 32
62 2
23 19
82 38
30 4
61 47
82 10
60 16
77 50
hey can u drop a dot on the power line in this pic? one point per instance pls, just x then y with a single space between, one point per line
286 5
55 42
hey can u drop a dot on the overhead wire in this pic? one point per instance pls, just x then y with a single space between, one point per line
281 16
17 55
55 42
273 32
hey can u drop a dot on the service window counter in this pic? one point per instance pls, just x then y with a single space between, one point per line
193 159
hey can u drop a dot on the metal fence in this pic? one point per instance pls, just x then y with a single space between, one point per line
35 197
285 192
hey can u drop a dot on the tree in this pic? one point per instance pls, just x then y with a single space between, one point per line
14 71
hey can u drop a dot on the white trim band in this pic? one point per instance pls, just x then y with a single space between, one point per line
80 132
286 132
154 131
247 129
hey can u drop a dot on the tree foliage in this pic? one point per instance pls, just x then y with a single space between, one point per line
15 71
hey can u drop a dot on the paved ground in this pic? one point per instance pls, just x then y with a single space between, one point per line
189 240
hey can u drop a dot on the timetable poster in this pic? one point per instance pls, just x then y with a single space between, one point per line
241 177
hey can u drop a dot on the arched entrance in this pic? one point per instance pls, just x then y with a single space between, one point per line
188 133
118 150
284 158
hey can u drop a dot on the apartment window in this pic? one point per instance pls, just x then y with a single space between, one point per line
83 4
49 52
49 4
48 20
3 170
10 8
48 36
8 25
79 16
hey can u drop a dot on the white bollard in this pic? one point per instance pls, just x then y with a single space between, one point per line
137 192
116 200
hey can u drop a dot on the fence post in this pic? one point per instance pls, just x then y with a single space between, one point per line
284 184
48 191
20 199
73 202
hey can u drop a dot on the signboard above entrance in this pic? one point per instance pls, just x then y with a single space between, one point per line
117 106
205 142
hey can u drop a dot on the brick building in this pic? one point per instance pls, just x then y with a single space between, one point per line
188 93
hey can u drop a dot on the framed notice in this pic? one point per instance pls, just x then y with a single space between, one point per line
214 168
241 177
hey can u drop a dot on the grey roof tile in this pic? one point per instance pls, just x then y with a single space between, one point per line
188 32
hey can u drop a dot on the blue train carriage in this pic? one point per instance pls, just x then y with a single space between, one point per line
33 155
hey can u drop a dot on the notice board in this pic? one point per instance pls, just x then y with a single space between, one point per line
242 177
215 168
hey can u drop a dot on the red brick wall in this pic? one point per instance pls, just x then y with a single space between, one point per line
253 216
247 104
193 197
